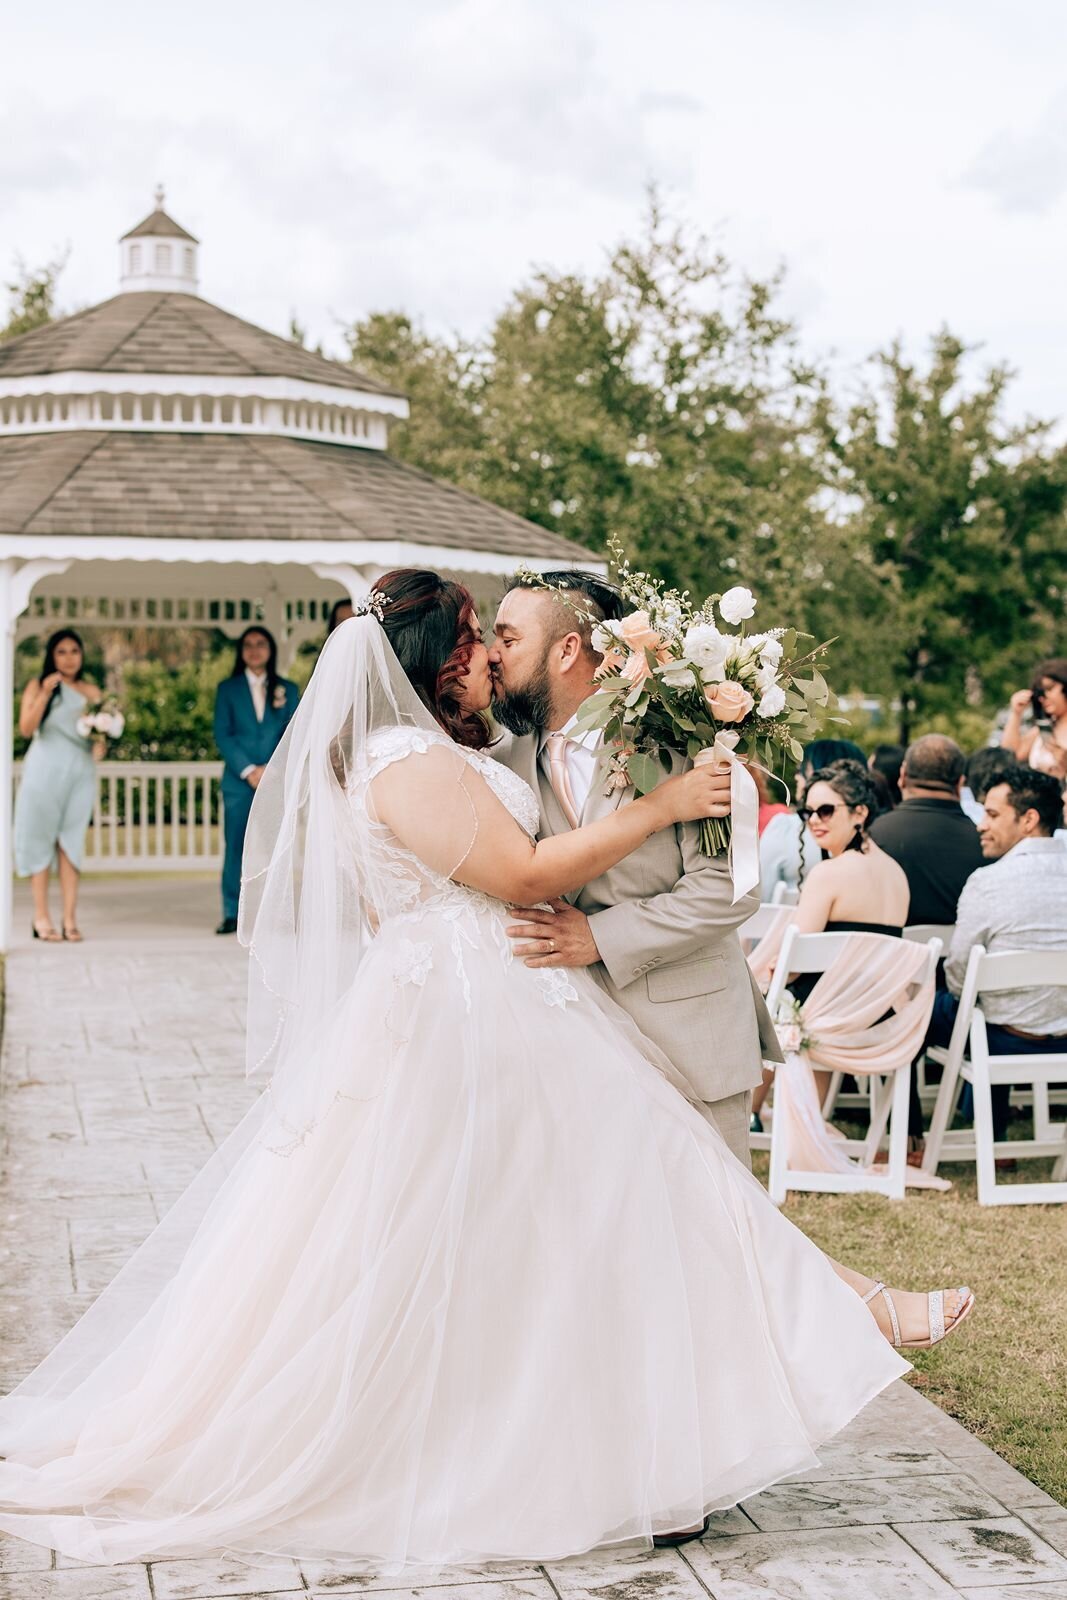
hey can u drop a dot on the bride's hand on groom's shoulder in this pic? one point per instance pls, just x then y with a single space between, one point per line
561 937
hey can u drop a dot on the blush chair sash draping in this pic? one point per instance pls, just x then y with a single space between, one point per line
867 1014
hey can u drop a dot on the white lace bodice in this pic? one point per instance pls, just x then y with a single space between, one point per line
401 880
513 792
407 891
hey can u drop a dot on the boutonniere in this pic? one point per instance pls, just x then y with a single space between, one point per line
618 777
278 699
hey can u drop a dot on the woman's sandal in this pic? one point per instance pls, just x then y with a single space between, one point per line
935 1301
73 934
50 935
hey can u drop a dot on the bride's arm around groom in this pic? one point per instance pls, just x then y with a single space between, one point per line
658 930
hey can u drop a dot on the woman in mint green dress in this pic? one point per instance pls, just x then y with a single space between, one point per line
55 797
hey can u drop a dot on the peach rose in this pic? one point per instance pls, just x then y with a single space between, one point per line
611 662
728 701
637 632
637 668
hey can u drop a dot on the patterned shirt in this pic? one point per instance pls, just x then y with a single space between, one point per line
1016 903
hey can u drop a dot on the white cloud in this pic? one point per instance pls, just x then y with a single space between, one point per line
1025 171
426 154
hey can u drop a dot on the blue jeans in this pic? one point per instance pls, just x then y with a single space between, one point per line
1001 1043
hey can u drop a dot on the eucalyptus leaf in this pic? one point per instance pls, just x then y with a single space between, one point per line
644 772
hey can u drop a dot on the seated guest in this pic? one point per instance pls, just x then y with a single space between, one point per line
857 888
938 847
984 768
787 850
884 764
1018 903
928 834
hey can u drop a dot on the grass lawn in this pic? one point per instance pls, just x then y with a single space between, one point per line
1004 1376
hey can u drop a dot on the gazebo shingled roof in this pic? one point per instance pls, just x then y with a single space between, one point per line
234 486
160 332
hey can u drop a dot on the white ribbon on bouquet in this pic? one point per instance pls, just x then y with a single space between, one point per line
744 812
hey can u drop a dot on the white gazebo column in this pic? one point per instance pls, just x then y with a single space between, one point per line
16 584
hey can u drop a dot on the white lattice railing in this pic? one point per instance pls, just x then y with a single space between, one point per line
154 816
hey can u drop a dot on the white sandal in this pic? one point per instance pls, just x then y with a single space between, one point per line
935 1303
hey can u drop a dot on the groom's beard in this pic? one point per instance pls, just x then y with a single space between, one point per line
526 710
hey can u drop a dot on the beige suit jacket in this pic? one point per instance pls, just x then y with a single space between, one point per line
667 935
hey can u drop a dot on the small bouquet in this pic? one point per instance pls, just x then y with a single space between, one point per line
789 1026
104 721
673 679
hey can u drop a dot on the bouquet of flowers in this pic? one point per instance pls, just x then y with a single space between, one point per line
674 679
104 721
790 1027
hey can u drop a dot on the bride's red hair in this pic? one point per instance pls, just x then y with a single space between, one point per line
429 623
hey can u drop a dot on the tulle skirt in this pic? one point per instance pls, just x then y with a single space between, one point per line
511 1297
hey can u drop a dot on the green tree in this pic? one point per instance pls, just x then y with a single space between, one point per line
443 380
964 524
663 400
32 296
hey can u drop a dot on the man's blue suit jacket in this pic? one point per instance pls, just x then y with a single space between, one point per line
243 740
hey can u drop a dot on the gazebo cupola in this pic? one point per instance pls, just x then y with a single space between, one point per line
159 254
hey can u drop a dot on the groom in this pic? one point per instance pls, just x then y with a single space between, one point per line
658 931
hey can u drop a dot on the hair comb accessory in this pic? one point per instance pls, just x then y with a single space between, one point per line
373 604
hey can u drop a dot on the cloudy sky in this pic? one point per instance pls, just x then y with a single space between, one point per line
907 161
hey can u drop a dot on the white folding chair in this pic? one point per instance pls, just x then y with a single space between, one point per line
995 974
783 895
759 925
889 1092
922 933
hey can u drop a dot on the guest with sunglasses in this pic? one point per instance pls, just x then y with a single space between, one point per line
787 850
856 887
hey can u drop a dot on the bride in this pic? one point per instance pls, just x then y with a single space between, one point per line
472 1280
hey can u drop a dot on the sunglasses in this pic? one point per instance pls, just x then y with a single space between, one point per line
824 813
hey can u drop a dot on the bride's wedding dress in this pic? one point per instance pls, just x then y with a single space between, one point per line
472 1280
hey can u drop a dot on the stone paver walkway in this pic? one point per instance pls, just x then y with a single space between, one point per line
122 1067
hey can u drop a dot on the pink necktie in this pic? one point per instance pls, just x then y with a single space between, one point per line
556 745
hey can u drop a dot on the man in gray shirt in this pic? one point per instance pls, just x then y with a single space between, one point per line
1017 903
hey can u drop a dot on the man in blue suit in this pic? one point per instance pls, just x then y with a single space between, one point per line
252 711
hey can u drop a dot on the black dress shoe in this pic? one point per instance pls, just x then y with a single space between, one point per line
227 925
669 1541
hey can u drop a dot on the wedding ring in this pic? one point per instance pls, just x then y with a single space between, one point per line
551 947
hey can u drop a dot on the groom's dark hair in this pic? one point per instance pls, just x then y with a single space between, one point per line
579 600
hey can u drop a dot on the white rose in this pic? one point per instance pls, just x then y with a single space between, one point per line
766 677
772 703
771 652
706 648
604 638
737 604
677 675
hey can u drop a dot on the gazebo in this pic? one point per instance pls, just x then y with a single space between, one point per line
165 463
